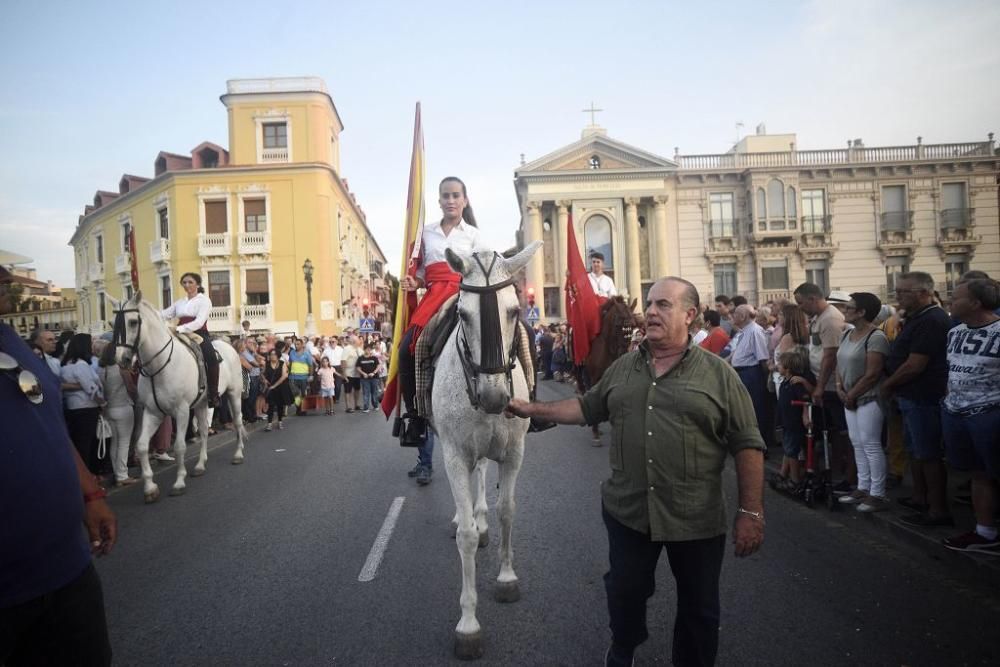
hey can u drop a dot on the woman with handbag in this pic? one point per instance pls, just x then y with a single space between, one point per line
119 392
279 392
860 361
82 405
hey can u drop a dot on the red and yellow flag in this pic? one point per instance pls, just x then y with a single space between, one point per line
135 262
583 309
406 302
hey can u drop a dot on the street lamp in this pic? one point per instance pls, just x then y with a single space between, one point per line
307 271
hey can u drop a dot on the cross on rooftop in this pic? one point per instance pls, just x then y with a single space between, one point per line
592 111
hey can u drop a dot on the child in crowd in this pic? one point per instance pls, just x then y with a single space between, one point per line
327 383
798 386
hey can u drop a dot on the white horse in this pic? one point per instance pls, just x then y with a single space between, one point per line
476 375
168 386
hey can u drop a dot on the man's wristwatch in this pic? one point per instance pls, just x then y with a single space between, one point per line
757 515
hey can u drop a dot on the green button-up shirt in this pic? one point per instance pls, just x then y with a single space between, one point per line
669 441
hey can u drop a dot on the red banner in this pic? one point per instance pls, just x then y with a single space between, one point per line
583 310
134 262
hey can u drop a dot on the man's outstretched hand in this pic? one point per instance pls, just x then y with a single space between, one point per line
518 408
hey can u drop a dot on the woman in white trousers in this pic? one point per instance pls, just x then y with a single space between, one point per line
119 390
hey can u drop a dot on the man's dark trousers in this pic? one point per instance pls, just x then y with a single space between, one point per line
631 581
755 380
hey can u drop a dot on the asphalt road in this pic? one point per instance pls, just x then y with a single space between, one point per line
259 564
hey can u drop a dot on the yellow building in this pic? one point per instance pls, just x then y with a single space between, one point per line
246 219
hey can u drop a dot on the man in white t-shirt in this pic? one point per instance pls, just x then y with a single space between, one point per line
601 282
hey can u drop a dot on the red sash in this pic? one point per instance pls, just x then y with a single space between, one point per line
184 319
442 284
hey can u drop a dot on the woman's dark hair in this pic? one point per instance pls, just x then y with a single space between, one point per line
467 213
107 357
869 303
78 349
795 324
64 338
195 277
712 318
739 300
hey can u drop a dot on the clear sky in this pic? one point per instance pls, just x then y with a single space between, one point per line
92 90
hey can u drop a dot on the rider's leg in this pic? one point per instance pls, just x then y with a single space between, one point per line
415 429
211 370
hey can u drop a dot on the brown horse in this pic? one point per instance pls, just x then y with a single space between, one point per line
618 321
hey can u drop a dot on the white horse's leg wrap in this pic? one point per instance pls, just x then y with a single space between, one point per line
505 509
467 541
180 448
150 423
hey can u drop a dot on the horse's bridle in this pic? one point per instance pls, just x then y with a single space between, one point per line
494 363
118 340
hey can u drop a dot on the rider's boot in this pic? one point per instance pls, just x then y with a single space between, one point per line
212 375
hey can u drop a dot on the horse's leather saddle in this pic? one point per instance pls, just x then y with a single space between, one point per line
429 346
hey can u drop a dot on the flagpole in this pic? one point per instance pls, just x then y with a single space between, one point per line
413 230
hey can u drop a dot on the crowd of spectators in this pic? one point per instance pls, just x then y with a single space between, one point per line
104 419
912 386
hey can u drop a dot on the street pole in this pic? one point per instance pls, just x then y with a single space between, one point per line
307 271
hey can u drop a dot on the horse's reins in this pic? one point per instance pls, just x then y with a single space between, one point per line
491 356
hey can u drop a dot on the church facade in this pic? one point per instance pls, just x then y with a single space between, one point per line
763 217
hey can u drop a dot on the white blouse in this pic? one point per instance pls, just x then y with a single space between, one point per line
197 307
603 285
463 240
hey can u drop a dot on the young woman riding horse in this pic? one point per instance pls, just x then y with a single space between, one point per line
457 231
192 316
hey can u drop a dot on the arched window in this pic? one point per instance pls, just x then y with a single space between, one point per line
775 199
595 162
790 206
597 237
761 204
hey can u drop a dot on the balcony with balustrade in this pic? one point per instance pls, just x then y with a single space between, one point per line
956 232
123 264
816 237
773 229
895 237
254 243
95 273
159 251
261 316
274 154
852 155
220 319
215 245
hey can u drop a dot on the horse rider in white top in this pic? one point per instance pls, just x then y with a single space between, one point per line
192 313
603 286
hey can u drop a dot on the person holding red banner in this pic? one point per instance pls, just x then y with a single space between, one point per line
458 231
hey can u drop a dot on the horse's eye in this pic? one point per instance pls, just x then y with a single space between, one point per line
133 324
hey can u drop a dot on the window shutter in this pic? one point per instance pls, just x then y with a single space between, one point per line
256 281
253 207
215 217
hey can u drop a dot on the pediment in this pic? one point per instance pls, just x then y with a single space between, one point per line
613 154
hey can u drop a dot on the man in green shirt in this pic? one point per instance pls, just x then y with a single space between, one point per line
676 410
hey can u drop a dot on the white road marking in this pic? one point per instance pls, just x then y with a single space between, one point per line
381 541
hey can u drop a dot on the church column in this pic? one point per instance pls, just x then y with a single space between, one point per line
633 275
535 273
662 264
562 220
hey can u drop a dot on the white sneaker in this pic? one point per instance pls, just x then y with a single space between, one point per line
268 427
281 426
163 456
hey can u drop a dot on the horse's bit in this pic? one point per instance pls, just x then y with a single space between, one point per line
491 361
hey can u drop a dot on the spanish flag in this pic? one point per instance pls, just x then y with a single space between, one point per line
406 302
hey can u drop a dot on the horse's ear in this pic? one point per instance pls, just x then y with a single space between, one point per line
138 296
456 263
509 252
115 303
518 261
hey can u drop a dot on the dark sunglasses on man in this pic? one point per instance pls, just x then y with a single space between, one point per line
26 380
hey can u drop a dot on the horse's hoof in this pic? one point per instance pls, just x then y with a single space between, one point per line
236 461
197 473
177 490
152 496
484 539
507 591
469 647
